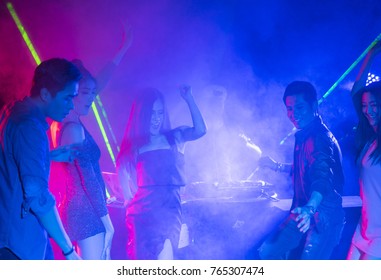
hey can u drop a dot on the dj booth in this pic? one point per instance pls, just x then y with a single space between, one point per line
226 220
229 221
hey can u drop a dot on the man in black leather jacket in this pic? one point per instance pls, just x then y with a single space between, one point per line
316 214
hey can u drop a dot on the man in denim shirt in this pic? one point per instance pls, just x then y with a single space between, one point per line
28 214
316 211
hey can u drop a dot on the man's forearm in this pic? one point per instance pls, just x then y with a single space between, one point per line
53 225
315 200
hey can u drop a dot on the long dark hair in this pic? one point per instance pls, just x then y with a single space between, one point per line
365 132
86 75
137 133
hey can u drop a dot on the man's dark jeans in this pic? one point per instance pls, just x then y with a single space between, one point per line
322 237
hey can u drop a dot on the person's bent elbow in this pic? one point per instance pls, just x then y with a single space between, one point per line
39 205
202 132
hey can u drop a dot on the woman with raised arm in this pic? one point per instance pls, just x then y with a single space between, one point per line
150 166
83 206
366 241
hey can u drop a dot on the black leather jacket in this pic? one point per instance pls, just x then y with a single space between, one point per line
317 167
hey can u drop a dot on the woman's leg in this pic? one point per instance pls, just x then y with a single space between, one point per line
356 254
167 252
91 248
366 256
353 253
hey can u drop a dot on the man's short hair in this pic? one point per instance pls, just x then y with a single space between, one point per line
54 74
306 89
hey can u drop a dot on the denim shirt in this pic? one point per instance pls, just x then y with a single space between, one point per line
24 172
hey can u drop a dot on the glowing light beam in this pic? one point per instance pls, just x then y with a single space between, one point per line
375 41
24 35
107 122
98 118
37 59
342 77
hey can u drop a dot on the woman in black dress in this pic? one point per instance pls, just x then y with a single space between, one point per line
150 166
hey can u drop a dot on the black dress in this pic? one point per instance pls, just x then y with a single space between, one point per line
154 213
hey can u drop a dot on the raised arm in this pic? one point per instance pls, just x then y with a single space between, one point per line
365 67
105 74
199 126
126 44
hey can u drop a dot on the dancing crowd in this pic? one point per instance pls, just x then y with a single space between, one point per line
53 195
